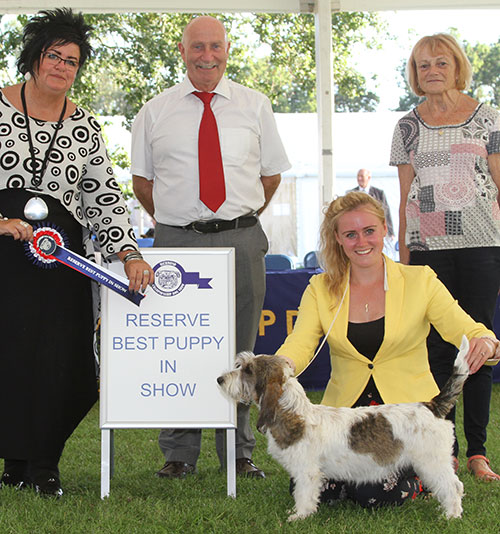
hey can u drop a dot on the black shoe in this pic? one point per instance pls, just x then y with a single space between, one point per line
45 476
16 474
245 467
175 470
50 487
13 481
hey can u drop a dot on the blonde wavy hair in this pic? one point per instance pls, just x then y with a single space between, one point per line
332 256
440 42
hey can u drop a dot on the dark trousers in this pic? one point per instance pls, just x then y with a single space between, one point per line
473 277
250 246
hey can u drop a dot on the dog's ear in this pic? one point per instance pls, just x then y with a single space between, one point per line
268 405
243 357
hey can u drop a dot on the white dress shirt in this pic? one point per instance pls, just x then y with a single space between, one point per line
165 149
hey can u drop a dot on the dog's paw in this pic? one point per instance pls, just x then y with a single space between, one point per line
294 515
454 513
453 509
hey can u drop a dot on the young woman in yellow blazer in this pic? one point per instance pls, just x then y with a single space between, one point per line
376 315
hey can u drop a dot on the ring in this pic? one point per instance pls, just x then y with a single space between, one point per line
145 272
483 353
24 223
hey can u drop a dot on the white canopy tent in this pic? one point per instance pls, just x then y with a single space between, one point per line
321 9
228 6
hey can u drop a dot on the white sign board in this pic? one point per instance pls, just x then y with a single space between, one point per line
160 360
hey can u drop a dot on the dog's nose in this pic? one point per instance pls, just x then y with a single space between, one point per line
220 380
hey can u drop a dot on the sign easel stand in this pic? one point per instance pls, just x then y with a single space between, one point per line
108 461
160 360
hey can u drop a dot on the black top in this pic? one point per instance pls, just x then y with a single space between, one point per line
366 338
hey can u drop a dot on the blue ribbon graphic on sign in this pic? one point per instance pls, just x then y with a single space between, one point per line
171 279
48 247
194 278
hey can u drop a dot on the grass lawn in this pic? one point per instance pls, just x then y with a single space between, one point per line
141 503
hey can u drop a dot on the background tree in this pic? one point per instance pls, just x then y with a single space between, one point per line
288 73
485 60
136 57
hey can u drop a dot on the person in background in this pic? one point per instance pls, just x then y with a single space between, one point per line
55 176
218 208
447 151
376 315
364 177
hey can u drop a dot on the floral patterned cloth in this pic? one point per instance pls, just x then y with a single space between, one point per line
393 490
452 202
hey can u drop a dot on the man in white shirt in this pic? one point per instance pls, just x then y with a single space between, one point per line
166 182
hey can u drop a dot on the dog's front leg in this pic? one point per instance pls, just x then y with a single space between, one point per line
306 494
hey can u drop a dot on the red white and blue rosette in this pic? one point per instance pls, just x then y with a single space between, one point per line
47 250
36 254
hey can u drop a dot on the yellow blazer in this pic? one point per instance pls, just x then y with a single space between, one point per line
414 300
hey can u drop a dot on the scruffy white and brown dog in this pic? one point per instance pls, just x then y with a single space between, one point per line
315 443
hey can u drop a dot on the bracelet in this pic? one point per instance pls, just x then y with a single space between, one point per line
3 218
134 255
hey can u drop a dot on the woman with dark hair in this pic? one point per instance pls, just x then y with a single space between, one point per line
447 151
55 176
375 315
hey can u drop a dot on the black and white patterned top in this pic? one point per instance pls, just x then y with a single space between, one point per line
78 174
452 202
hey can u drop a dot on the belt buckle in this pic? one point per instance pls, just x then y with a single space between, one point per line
193 226
210 227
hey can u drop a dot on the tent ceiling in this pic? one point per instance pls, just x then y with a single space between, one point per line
284 6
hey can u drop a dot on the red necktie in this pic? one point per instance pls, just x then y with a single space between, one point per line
212 187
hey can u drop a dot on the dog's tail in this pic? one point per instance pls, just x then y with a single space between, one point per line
442 403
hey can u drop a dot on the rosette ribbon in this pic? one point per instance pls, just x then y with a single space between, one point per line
47 247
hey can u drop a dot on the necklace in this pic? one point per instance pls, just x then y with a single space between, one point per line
366 307
36 208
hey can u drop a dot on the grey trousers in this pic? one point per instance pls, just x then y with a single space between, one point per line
183 445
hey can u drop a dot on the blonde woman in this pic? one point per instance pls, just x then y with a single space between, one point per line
376 316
